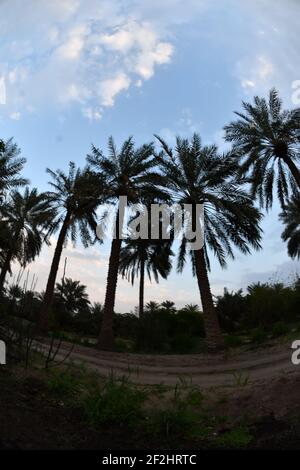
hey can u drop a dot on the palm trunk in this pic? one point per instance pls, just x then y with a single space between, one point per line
106 339
142 286
293 169
43 325
211 324
5 269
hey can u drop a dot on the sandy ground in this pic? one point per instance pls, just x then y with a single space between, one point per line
205 370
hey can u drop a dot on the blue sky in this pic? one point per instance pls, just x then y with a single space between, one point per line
77 71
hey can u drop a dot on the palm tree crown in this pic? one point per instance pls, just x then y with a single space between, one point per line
76 195
291 219
27 217
152 256
266 140
200 175
127 172
73 295
10 166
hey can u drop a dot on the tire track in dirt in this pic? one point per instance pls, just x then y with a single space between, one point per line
201 369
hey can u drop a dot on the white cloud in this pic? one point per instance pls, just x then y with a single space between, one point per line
108 89
78 51
247 84
142 42
92 114
72 48
256 74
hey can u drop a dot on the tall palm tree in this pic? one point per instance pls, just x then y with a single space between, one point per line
128 172
199 175
291 219
74 198
266 140
11 164
150 256
27 217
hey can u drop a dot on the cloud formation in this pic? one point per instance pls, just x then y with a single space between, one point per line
76 51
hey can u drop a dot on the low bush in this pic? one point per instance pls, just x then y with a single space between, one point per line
279 329
116 402
233 341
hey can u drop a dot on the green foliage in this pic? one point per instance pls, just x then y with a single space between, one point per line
64 384
291 219
178 418
27 218
233 341
258 335
265 140
11 165
123 345
259 309
168 330
237 438
279 329
117 402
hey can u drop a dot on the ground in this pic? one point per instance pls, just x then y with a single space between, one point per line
33 417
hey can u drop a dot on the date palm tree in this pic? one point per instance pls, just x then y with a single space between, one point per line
27 217
73 295
11 164
74 198
198 174
152 307
138 257
291 219
266 140
128 172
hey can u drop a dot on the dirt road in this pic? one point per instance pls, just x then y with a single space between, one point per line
202 369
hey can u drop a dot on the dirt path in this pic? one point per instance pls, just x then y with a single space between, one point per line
203 369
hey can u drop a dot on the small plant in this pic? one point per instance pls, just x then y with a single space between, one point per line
65 383
194 397
121 345
279 329
117 402
241 379
258 335
176 419
233 341
235 438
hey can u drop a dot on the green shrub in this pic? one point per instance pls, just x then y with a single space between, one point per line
233 341
235 439
63 383
176 419
194 397
117 402
279 329
258 335
121 345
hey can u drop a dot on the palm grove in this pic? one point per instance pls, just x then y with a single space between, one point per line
233 187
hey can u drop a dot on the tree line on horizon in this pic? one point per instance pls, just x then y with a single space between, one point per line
234 187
